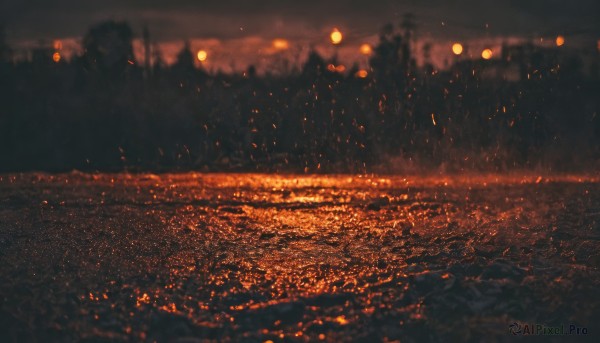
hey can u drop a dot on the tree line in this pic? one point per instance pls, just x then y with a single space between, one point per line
531 107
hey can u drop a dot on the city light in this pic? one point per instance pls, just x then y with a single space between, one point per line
560 41
457 48
280 44
202 55
56 57
336 36
333 68
361 74
366 49
486 54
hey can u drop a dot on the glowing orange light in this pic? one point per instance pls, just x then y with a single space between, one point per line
333 68
58 45
457 48
56 57
280 44
202 55
341 320
171 308
144 299
560 41
366 49
486 54
361 74
336 36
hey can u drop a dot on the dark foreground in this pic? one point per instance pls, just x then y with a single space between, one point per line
221 257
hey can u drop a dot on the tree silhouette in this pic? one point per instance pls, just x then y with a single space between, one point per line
185 58
108 47
314 65
82 113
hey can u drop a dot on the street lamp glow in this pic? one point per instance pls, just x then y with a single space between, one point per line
56 57
280 44
457 48
366 49
486 54
361 74
202 55
560 41
336 36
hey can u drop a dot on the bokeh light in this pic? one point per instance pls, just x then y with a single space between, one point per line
486 54
366 49
340 68
280 44
202 55
336 36
361 74
56 57
58 45
560 41
457 48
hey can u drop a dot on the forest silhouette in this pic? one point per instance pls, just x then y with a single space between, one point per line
530 107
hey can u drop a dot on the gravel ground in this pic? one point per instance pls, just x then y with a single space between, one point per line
258 257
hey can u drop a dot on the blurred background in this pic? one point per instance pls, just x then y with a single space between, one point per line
346 86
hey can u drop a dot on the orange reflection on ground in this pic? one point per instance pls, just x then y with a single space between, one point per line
310 257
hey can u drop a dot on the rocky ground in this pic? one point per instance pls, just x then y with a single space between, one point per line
250 257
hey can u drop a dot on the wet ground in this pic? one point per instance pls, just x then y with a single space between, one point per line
249 257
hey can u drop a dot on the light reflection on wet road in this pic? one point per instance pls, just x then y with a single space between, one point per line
273 257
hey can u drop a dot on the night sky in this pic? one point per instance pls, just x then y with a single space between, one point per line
240 32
